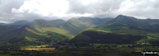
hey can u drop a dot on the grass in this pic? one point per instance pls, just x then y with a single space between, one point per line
30 30
98 30
54 29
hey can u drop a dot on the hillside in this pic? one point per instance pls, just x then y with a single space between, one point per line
91 37
125 24
26 35
122 30
41 32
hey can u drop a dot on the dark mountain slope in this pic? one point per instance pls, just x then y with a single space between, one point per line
26 35
99 37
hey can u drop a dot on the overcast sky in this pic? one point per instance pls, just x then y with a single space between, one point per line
12 10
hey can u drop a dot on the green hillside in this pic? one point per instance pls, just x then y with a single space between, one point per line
121 30
42 32
69 28
131 25
27 35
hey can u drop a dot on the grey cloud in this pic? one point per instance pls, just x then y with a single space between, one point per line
103 8
144 8
110 8
7 5
6 8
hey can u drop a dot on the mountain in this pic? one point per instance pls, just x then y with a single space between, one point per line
40 32
27 35
85 30
70 27
125 24
121 30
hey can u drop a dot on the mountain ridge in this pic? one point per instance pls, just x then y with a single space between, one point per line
123 25
42 31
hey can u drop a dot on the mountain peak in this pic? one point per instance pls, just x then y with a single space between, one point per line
121 16
125 18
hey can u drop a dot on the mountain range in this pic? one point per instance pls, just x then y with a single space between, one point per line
81 31
39 32
121 30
